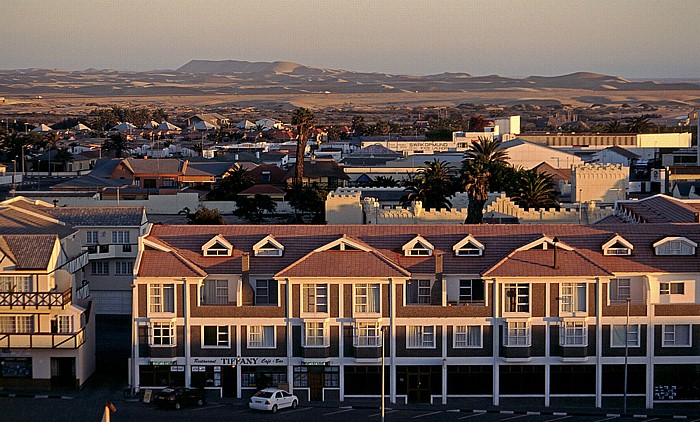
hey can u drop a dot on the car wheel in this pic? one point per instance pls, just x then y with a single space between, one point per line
294 404
274 408
200 402
177 406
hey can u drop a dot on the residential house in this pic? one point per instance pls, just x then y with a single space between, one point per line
327 174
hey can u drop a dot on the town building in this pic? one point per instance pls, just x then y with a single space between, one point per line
605 140
490 314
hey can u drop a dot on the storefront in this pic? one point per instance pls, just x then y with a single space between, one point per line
320 381
161 374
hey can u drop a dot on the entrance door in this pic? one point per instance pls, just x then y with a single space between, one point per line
418 387
316 383
63 373
228 381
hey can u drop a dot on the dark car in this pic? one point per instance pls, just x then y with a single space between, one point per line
179 397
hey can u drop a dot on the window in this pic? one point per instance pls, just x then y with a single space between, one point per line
215 336
367 334
418 292
217 249
120 236
675 247
676 335
573 297
517 297
420 336
419 249
100 267
618 248
124 268
162 298
261 337
620 289
573 333
64 323
617 333
517 333
16 324
467 336
214 292
15 283
315 334
315 297
91 237
162 334
367 298
265 177
169 182
471 291
469 250
672 288
266 292
268 249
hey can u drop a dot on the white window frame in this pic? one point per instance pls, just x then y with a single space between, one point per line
367 334
463 335
261 331
121 237
420 337
15 283
666 334
622 284
318 292
421 250
160 325
156 298
315 334
124 268
573 333
220 290
361 301
519 289
92 237
424 287
17 324
220 251
223 337
470 290
517 334
569 302
100 268
633 336
667 288
259 286
64 323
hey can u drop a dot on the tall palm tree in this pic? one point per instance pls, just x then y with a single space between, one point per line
640 124
480 161
535 190
62 156
614 126
116 143
432 186
303 119
51 139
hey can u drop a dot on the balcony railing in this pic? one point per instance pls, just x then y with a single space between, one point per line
35 300
42 340
117 250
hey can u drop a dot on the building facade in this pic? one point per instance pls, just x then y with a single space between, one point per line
492 314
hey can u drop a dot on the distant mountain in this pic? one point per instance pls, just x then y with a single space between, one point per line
207 77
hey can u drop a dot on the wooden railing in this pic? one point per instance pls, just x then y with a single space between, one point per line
35 300
42 340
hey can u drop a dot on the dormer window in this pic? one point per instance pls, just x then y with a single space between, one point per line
344 243
617 246
675 246
468 247
268 246
545 243
217 246
418 246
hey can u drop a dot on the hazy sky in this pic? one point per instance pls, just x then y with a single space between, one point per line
630 38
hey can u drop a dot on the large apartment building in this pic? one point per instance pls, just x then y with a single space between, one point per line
492 314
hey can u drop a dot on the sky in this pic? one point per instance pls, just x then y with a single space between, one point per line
516 38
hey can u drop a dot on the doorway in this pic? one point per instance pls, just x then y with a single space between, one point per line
315 379
63 373
418 383
228 381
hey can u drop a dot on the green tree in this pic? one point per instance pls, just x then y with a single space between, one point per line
535 190
640 124
205 216
614 126
358 126
309 199
432 186
477 123
116 143
63 156
12 145
254 208
234 181
303 119
480 160
384 182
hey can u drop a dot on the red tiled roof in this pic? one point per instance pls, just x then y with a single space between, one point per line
343 264
661 209
539 262
166 264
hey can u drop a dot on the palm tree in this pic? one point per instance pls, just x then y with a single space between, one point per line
535 190
480 160
384 182
234 181
614 126
303 119
62 156
432 186
116 143
51 139
640 124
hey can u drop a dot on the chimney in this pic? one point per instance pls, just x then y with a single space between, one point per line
555 241
248 294
438 293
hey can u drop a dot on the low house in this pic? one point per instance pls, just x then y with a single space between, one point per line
327 174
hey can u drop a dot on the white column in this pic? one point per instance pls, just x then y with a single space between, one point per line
238 364
547 345
133 364
598 343
392 333
496 342
186 332
650 344
444 364
288 313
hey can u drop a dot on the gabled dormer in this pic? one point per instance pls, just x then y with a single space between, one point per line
544 243
217 246
617 246
268 246
418 246
675 245
468 246
344 244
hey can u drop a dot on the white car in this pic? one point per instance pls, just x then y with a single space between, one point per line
273 399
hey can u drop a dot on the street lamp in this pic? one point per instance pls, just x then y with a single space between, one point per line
627 333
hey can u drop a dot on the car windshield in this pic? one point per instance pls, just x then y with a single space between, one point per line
263 394
167 390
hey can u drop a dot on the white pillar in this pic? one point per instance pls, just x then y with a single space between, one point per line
392 333
288 313
598 343
238 364
496 343
650 344
186 332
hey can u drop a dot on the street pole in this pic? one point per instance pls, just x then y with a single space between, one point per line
383 407
627 330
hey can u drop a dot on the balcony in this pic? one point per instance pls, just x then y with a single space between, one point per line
125 250
36 300
42 340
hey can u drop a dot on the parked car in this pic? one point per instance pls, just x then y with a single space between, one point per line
179 397
273 399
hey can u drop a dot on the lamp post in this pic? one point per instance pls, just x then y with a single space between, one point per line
14 172
627 333
383 329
